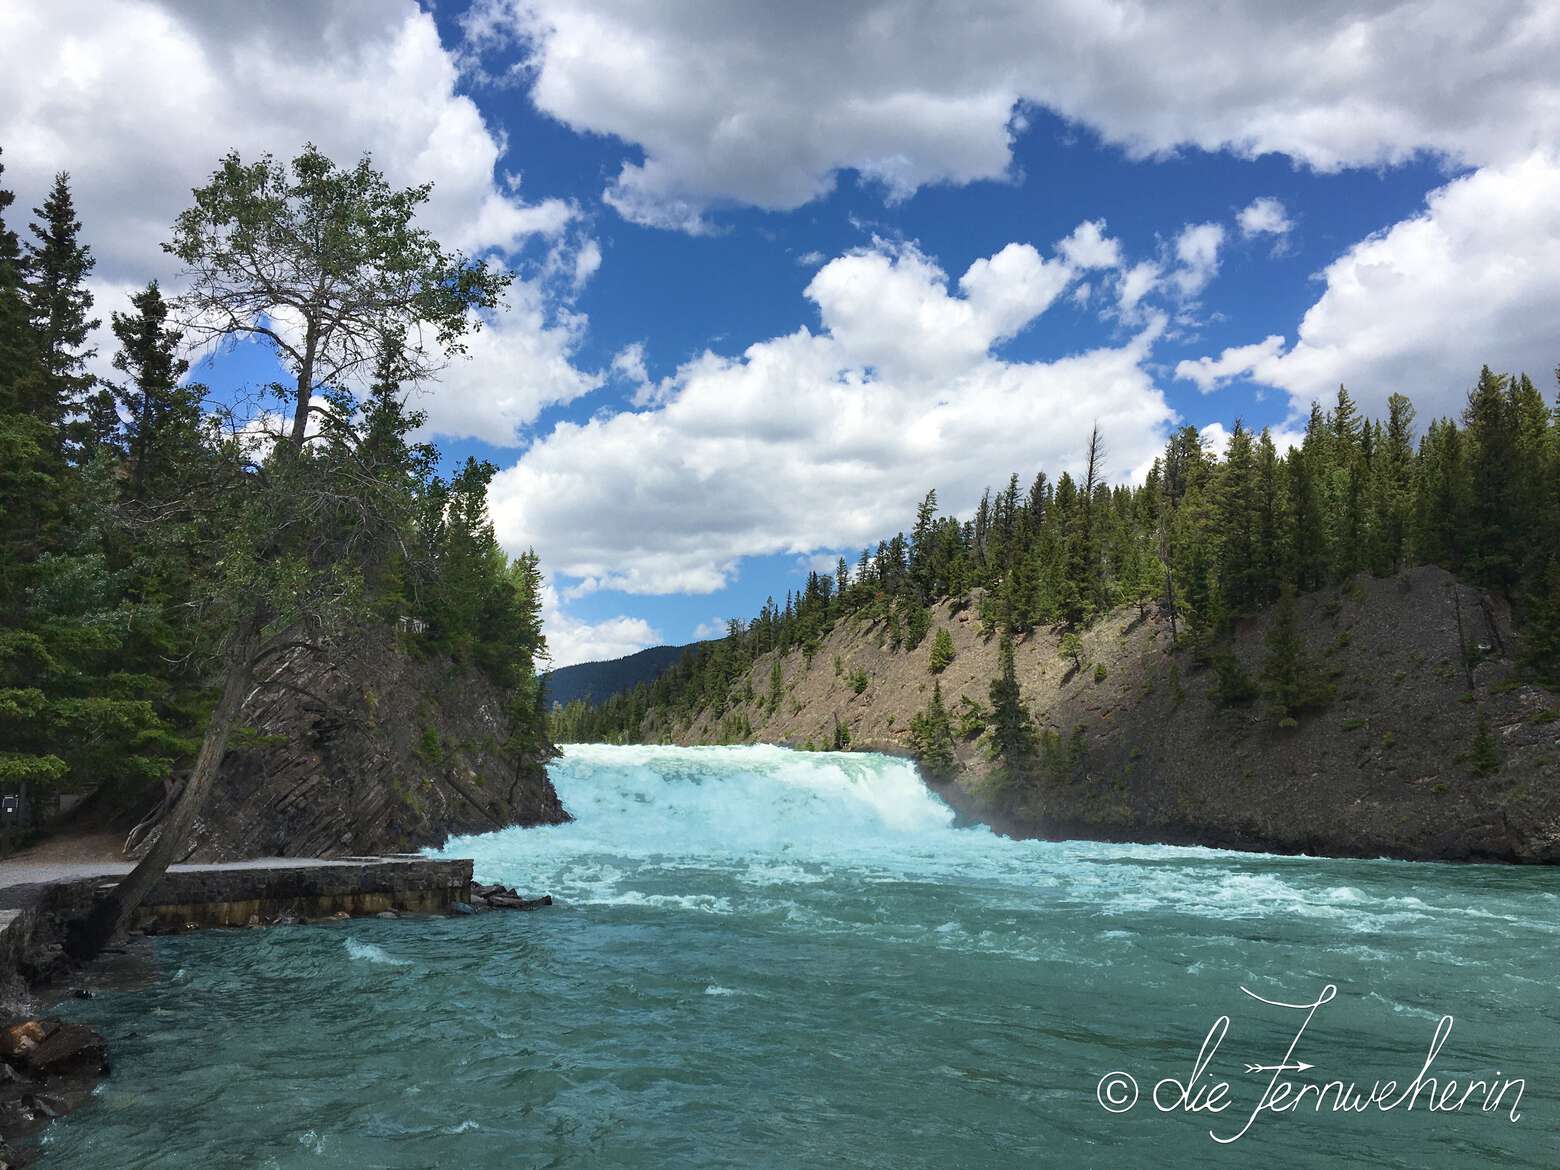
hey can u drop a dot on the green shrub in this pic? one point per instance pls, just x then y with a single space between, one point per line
1486 756
1072 648
972 718
1232 685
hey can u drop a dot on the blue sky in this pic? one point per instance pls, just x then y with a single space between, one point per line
784 268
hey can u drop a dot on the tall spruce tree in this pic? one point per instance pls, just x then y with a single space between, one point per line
1494 552
1012 730
1291 681
56 265
18 362
163 417
932 738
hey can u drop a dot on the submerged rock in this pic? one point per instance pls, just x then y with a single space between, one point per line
498 897
47 1068
21 1038
503 902
68 1048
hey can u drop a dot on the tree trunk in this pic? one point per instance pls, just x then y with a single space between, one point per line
110 917
305 390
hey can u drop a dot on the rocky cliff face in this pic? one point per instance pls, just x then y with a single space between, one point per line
381 754
1142 751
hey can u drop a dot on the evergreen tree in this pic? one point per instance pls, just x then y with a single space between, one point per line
17 343
1485 757
1018 591
841 738
30 487
164 418
1395 485
1442 508
1239 569
1494 553
57 265
942 650
1012 732
931 737
1541 635
1307 525
1268 519
1346 428
1291 682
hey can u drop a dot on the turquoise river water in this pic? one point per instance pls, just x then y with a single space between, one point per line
761 958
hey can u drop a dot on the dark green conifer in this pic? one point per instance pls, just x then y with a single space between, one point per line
931 737
1012 730
57 265
1291 681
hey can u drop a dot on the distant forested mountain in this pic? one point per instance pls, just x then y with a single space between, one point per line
595 681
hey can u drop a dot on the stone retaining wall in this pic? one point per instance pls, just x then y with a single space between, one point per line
230 897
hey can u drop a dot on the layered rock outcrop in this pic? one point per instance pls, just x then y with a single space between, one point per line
382 753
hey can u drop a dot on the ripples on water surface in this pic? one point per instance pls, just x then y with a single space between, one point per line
761 958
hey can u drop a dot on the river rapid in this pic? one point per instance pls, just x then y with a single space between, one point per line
764 958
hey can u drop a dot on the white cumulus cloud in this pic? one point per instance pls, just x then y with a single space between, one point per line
1265 216
572 640
1197 256
1089 247
1211 373
1418 308
726 101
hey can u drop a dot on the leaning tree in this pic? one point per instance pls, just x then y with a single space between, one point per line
329 267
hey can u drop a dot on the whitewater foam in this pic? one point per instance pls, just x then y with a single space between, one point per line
806 838
370 953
